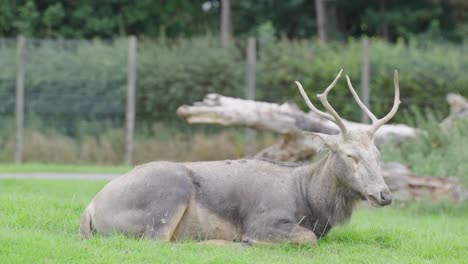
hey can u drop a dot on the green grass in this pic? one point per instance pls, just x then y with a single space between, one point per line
42 167
39 222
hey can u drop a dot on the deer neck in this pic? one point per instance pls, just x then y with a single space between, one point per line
326 196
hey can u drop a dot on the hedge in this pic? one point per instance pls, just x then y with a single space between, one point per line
427 73
83 81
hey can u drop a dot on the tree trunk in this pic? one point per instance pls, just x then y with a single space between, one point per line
384 27
321 20
226 22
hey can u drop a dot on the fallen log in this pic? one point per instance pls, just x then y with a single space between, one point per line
406 186
288 120
458 109
283 119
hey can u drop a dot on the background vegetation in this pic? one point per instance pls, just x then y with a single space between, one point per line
75 89
86 79
437 153
75 93
184 18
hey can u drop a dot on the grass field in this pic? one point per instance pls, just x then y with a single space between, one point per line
39 222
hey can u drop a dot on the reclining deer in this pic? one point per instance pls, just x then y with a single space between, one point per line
248 200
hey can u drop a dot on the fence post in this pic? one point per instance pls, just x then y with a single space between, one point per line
19 111
365 80
321 20
250 92
131 87
226 22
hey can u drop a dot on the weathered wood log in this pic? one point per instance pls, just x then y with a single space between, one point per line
288 120
283 119
406 186
458 109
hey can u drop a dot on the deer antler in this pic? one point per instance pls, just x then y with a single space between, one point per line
332 115
376 123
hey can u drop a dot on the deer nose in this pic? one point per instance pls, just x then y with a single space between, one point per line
386 197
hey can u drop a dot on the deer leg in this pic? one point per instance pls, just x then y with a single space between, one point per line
282 233
245 242
162 228
301 235
216 242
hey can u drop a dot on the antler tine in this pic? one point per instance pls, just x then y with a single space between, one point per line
396 103
311 106
359 102
323 99
333 116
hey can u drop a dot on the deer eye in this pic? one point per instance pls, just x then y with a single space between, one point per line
354 158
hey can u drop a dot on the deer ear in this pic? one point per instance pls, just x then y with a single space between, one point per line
319 141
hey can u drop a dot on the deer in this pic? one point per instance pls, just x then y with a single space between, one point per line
249 201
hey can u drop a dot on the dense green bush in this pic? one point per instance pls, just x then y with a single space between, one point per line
180 72
436 153
7 76
427 73
313 64
70 84
67 82
78 88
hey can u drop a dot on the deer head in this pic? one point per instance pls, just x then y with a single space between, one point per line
354 158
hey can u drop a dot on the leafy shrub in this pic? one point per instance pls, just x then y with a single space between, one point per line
313 64
171 74
72 86
438 152
67 81
427 73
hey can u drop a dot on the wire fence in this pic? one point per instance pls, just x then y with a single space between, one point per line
78 89
65 81
74 90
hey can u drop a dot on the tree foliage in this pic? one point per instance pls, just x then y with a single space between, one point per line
182 18
89 18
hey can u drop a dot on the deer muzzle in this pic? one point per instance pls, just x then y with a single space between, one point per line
380 198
